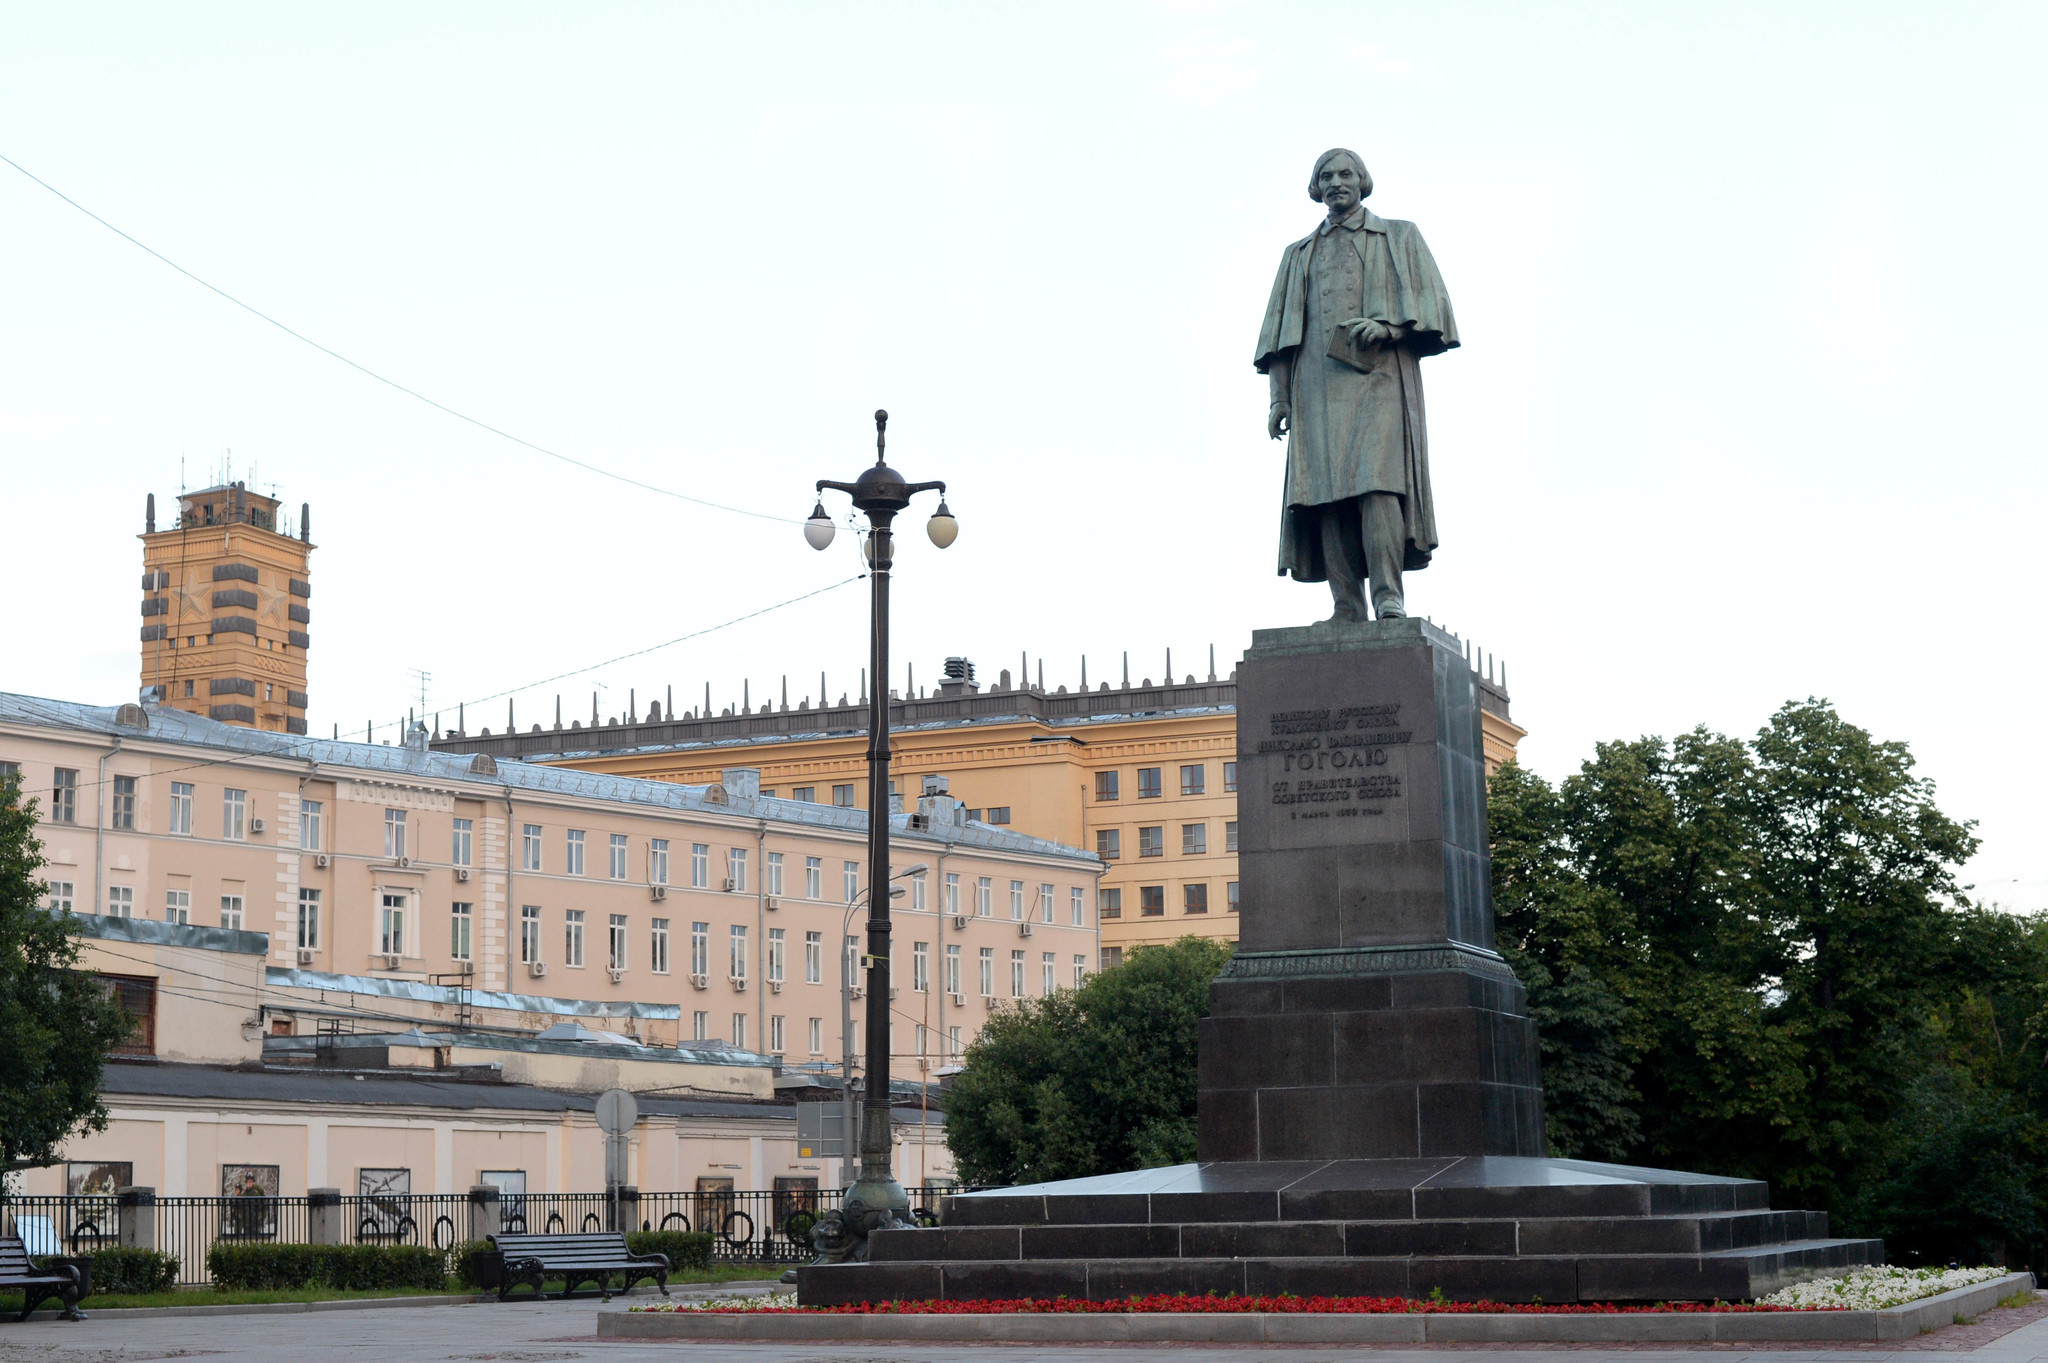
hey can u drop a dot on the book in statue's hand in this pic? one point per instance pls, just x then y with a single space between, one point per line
1345 351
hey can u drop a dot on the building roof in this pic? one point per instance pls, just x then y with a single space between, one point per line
162 724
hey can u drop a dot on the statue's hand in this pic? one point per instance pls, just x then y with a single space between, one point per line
1365 331
1280 420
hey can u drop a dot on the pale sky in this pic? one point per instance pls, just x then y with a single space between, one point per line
1746 410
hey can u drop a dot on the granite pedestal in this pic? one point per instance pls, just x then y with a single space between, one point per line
1370 1109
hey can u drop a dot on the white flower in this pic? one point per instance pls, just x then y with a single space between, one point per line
730 1302
1878 1286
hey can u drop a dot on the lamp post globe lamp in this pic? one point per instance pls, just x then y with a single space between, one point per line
877 1200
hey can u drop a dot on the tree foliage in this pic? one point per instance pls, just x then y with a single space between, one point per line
1755 959
56 1023
1090 1080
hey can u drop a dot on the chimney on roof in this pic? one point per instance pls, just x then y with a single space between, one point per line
416 737
149 515
741 782
959 678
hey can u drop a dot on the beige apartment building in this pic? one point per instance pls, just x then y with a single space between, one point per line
1143 774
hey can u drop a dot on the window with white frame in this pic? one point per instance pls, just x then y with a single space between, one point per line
394 834
1077 911
739 1030
657 861
1048 973
572 937
615 947
1017 974
776 947
462 843
736 868
1016 901
181 807
814 877
814 958
775 1046
120 901
953 1043
817 1036
310 819
231 912
177 906
572 853
1080 970
657 947
1045 904
774 885
700 1026
234 815
700 948
984 897
391 924
121 813
63 795
953 893
850 873
917 891
952 968
461 918
529 847
617 867
921 967
700 865
529 933
309 919
988 972
62 895
920 1040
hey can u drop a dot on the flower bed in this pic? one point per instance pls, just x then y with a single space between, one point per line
1879 1286
1181 1304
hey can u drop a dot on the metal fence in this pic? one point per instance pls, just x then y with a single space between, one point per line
746 1227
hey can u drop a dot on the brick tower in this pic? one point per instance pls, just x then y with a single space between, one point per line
224 615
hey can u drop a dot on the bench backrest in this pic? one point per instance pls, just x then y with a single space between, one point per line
14 1262
570 1250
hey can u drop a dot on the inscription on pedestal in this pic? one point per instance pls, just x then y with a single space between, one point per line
1340 766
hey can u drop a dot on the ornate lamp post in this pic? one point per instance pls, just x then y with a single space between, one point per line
877 1200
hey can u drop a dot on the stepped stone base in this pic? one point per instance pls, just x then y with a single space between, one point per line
1477 1228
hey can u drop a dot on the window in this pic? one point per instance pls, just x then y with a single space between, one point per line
984 897
460 917
657 861
921 967
998 814
700 865
850 874
1105 786
64 796
988 972
700 949
700 1026
817 1036
1112 957
775 1034
736 868
774 885
1149 785
1151 901
309 920
615 945
181 807
231 912
391 925
953 969
814 877
805 795
120 901
1230 896
177 906
573 853
234 814
739 954
1080 970
1152 842
1230 776
529 933
1075 912
1230 835
122 815
842 796
917 892
61 896
1109 902
739 1030
1109 843
10 771
309 825
394 833
1045 903
616 867
920 1039
1048 973
572 937
1017 974
953 1041
529 847
953 893
814 958
657 947
1194 898
775 955
1016 901
1194 778
1194 839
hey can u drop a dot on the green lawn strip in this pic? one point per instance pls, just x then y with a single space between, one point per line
201 1296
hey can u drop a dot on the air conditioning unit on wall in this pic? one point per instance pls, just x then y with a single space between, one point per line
320 861
1023 929
537 969
700 981
658 892
618 976
462 875
393 962
256 825
308 955
959 1000
728 885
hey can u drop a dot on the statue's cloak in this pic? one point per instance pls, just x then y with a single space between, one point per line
1358 432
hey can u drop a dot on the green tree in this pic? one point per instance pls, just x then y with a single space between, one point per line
56 1023
1087 1081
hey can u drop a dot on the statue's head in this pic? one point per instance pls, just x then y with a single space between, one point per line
1340 180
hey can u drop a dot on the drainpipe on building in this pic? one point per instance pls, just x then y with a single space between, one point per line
288 952
939 885
760 936
99 832
511 952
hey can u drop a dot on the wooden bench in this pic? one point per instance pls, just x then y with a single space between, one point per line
575 1259
38 1285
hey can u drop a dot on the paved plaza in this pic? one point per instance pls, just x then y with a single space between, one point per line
543 1332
